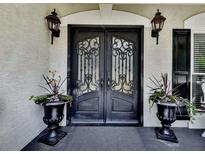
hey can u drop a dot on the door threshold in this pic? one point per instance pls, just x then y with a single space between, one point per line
107 124
113 123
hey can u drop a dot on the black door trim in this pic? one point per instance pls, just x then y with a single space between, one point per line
141 67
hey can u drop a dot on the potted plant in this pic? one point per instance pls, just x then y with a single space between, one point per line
167 101
53 102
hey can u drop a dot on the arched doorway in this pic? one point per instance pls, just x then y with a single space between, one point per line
126 107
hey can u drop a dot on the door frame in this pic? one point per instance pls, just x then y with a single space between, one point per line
141 67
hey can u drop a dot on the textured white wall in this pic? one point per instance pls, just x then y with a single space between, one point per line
24 45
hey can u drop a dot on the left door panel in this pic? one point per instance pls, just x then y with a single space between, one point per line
87 75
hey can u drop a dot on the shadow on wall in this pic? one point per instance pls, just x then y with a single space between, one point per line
2 107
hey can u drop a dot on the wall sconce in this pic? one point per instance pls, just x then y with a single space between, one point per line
53 24
157 24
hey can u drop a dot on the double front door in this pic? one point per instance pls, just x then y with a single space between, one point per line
105 74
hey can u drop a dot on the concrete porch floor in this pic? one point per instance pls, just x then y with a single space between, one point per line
113 138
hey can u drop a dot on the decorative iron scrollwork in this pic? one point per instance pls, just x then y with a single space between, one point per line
122 85
88 65
122 65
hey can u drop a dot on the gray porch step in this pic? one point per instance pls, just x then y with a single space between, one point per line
108 138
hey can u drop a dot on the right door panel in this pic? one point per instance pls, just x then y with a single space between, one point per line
121 76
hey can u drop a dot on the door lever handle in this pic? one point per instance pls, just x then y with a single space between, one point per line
101 83
108 82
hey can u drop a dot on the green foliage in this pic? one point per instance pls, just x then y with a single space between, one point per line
191 109
53 87
201 61
39 99
161 93
65 98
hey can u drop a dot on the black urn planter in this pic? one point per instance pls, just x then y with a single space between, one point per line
167 115
53 115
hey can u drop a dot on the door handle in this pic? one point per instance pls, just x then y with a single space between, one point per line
101 83
108 79
108 83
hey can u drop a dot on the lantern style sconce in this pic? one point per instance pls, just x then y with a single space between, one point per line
157 24
53 24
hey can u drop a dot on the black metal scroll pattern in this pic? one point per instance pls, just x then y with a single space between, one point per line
122 65
88 65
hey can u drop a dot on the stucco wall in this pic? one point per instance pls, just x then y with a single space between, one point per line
24 58
157 58
66 8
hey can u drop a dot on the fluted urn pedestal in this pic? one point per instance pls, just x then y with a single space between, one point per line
167 115
53 115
